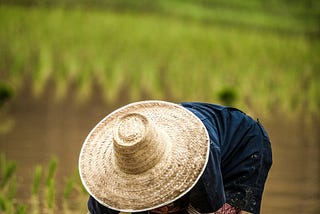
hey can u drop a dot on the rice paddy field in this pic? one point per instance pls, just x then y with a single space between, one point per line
265 54
260 56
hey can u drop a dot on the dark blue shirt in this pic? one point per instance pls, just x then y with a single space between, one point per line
239 160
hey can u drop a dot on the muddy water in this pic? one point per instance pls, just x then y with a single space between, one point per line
45 128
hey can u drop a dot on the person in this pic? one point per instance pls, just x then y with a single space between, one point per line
160 157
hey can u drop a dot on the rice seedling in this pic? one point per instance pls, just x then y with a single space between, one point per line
43 195
68 188
8 187
157 57
8 169
50 194
254 55
51 171
36 180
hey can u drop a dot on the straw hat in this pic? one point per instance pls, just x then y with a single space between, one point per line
143 156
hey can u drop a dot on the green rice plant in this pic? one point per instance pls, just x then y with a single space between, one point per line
8 169
2 203
73 183
184 51
43 71
49 184
74 194
21 209
51 171
43 196
50 194
12 189
68 188
36 180
8 188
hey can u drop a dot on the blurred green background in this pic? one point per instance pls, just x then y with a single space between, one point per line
264 54
65 57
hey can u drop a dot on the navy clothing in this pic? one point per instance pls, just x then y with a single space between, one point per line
239 161
95 207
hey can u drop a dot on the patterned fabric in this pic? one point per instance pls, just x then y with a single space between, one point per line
228 209
225 209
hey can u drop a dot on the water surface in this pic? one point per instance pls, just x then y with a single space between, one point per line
45 127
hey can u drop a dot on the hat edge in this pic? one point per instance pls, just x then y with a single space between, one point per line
115 112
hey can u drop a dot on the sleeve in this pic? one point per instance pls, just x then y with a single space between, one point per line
208 194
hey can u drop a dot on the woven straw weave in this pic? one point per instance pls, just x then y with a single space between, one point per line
143 156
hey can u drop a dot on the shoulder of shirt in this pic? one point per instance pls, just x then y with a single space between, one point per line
204 105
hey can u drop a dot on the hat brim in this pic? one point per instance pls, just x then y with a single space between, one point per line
176 173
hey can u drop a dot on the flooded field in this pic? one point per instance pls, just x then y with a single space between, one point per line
70 63
44 128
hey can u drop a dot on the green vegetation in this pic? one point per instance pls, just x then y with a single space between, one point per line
43 190
267 53
6 92
261 56
8 187
227 96
36 180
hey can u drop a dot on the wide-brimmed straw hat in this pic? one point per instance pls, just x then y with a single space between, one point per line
143 156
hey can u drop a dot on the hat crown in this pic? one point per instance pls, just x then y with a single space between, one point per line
132 129
138 146
144 155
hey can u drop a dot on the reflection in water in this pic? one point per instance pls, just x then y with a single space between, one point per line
44 128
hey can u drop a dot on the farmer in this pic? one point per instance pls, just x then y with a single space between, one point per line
161 157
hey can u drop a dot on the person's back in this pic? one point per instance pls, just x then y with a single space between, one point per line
239 161
236 164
